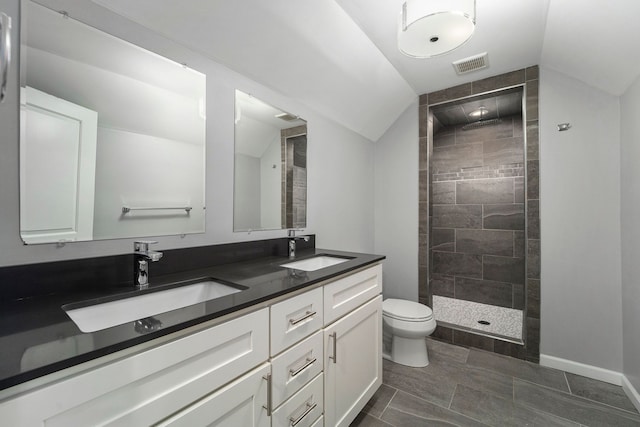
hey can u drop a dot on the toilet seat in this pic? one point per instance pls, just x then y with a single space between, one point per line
407 311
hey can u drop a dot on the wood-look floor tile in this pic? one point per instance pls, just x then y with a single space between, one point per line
433 386
453 352
406 409
575 408
600 392
380 400
470 387
496 411
518 368
366 420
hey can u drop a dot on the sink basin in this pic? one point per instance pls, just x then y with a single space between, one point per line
315 263
105 315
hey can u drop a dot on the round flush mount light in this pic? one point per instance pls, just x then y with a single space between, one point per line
479 113
429 28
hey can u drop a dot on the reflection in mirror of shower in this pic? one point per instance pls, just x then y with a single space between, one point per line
477 218
294 196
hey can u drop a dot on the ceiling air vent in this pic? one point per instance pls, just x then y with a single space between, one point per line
472 63
286 117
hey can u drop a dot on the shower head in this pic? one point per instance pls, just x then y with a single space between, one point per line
481 123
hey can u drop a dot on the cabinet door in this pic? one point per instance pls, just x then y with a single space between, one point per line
57 168
241 403
353 362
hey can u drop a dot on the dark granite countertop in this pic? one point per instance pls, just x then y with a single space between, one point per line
37 337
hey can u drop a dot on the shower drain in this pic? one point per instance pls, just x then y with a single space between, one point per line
484 322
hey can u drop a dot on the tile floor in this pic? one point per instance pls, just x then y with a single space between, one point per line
470 387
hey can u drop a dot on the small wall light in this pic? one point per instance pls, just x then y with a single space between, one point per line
429 28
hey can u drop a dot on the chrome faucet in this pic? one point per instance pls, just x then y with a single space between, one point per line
141 257
292 242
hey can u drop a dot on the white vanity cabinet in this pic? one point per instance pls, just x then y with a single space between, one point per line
339 367
309 360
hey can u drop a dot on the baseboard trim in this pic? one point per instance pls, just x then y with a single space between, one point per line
594 372
578 368
631 392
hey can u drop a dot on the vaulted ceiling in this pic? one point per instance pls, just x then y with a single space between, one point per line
340 57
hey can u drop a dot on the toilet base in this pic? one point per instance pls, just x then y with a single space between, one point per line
409 351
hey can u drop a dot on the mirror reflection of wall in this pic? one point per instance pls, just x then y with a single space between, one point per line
147 143
270 178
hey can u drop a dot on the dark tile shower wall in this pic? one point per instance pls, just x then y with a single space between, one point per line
294 177
498 216
477 213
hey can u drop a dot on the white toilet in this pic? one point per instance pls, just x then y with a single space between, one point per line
406 324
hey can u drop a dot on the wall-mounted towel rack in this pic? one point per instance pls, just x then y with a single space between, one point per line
127 209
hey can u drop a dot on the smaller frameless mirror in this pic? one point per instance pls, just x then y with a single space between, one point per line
270 169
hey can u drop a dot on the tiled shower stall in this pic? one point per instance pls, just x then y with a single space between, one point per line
479 232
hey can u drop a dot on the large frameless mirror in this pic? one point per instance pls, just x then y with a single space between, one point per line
112 136
270 173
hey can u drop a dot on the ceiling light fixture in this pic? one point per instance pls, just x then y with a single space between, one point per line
479 113
429 28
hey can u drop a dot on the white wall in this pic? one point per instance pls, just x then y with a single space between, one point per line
271 186
142 170
630 201
396 205
246 199
139 106
340 174
580 223
340 162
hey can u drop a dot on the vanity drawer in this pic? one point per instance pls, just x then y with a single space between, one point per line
348 293
303 409
295 319
295 367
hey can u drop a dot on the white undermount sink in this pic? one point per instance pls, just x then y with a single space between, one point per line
315 263
105 315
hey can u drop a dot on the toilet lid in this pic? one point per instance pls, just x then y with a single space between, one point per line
406 310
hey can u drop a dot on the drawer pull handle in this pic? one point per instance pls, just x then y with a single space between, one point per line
335 347
269 406
295 421
309 362
307 315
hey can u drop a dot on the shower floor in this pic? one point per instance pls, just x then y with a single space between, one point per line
504 323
